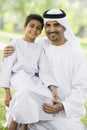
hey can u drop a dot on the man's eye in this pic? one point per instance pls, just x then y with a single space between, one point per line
47 25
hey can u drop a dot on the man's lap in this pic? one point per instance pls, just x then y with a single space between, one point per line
58 124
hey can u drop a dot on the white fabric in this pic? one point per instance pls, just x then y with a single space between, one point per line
69 66
30 90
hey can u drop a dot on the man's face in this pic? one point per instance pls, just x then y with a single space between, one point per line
54 31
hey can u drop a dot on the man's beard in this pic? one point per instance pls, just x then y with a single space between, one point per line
53 38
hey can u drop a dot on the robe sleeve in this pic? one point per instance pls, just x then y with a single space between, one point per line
6 69
45 73
74 103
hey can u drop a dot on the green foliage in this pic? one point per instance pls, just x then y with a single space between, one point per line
0 58
9 26
83 42
17 10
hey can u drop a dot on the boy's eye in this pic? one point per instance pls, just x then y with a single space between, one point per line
32 25
38 28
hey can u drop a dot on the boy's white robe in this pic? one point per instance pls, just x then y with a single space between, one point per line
31 91
69 66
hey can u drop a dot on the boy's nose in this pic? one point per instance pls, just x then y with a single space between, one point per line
34 29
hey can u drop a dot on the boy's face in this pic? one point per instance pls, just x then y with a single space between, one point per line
32 30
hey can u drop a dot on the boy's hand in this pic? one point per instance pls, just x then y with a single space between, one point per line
54 92
7 100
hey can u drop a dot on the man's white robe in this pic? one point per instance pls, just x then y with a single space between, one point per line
69 67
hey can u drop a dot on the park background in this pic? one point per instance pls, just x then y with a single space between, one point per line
13 14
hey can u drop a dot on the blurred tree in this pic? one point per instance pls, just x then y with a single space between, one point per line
77 15
16 10
3 9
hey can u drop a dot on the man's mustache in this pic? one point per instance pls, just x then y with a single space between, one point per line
52 32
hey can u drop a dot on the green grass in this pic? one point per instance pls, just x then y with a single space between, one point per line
2 110
84 118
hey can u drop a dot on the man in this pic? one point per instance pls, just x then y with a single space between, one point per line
68 64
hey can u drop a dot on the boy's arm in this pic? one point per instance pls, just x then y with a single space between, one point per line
54 91
7 96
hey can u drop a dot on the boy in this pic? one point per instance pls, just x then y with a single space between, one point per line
28 71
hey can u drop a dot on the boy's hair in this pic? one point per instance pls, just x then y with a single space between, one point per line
34 17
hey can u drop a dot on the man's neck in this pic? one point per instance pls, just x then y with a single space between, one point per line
59 43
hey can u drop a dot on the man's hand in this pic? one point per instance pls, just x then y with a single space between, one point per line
53 109
8 51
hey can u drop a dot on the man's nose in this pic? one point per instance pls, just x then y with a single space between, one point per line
52 28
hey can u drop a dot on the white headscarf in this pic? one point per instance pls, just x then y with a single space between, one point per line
69 35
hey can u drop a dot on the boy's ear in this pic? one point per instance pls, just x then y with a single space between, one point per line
24 26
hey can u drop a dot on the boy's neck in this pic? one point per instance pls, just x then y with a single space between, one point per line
28 40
